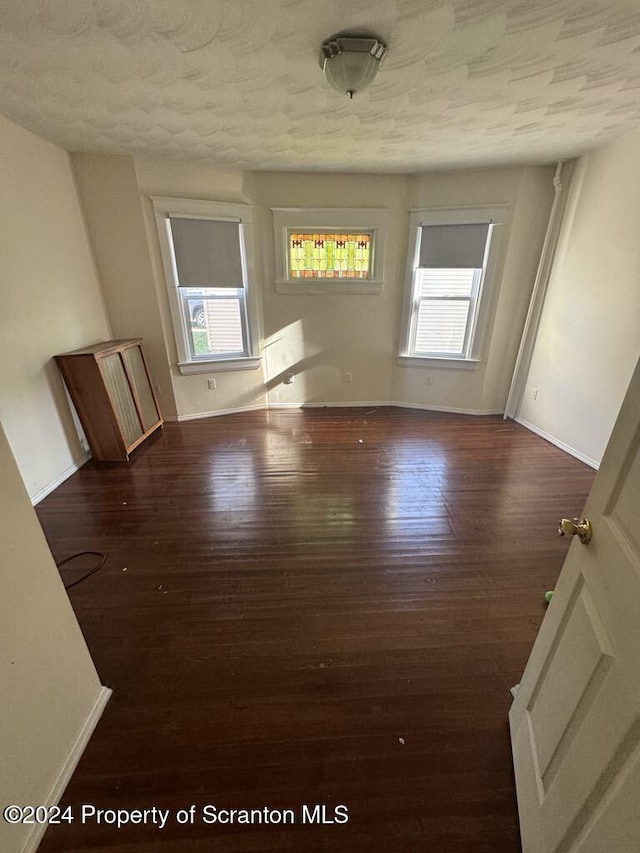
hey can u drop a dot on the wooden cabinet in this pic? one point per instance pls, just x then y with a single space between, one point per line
112 391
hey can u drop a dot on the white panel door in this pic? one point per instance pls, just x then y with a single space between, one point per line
575 722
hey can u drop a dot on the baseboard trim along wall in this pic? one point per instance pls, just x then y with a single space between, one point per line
198 415
561 444
66 771
35 499
382 403
450 409
354 404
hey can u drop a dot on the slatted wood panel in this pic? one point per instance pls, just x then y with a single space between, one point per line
133 360
117 385
303 589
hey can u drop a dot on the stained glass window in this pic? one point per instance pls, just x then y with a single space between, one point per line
329 255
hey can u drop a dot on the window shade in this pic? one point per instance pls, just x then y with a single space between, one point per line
207 252
453 246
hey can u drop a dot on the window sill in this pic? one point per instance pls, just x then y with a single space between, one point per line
429 361
326 287
219 365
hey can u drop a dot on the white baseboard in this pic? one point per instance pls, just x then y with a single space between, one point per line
382 403
35 499
353 404
198 415
452 410
66 771
285 405
561 444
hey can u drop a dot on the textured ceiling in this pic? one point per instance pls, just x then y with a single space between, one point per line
237 82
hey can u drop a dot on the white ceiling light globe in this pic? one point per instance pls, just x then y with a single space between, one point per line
350 63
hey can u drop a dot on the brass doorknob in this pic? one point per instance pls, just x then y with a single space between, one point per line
580 527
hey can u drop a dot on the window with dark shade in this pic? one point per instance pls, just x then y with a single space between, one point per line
447 283
208 262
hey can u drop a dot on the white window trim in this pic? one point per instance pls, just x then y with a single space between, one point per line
201 209
453 363
498 215
373 220
219 365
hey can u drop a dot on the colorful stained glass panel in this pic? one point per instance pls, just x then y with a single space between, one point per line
329 255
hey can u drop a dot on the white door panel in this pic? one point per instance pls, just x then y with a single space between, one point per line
575 722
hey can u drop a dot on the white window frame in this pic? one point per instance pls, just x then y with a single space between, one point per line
200 209
483 307
330 220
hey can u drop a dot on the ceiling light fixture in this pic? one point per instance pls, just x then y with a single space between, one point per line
351 62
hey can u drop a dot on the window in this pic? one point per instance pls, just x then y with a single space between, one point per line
448 284
206 255
326 251
325 255
446 300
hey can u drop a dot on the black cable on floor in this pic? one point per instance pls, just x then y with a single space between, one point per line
92 571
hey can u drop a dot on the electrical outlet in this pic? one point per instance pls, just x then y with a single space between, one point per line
212 384
534 394
428 379
347 376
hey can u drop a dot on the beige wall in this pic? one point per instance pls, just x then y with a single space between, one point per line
315 337
319 337
235 389
49 684
50 302
528 193
589 336
113 209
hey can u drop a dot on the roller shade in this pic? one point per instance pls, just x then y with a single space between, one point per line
207 252
453 246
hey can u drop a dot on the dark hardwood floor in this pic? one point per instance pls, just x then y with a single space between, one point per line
319 606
